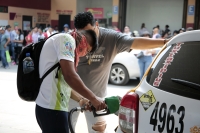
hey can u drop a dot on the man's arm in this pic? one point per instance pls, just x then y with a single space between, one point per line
147 43
78 98
8 40
75 96
75 82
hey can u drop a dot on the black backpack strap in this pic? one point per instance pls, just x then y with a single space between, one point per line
51 35
57 72
50 70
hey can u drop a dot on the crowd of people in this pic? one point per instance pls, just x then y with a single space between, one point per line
11 43
155 33
13 40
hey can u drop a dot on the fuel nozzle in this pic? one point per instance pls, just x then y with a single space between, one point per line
112 106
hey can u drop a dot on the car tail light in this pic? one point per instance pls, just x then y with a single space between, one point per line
128 113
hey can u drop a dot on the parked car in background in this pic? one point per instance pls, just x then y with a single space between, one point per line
124 67
167 99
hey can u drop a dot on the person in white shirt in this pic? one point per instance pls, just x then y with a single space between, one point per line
127 30
53 99
156 34
145 60
35 35
40 35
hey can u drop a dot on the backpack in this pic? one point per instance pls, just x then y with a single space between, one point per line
28 85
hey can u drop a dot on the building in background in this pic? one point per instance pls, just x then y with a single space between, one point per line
41 13
176 13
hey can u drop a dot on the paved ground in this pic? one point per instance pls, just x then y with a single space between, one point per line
17 116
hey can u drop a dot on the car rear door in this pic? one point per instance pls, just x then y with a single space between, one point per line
170 93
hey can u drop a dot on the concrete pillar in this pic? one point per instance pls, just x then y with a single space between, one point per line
115 12
190 15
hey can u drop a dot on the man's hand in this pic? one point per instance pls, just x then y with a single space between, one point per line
83 102
5 46
98 103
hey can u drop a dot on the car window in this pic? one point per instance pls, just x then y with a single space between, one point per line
178 70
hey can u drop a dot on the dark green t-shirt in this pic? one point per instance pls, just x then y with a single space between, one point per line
95 76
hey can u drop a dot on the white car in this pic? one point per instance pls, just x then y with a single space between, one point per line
167 99
124 67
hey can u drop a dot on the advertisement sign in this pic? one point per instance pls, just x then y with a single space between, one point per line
191 10
43 17
67 12
26 25
97 12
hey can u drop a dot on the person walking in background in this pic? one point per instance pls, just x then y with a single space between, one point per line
66 28
159 30
55 29
14 32
5 39
165 35
156 33
48 33
40 35
167 30
11 44
175 33
35 35
48 26
19 44
14 35
182 30
127 30
145 60
142 29
28 38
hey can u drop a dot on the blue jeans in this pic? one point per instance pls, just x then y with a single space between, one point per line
3 58
144 63
12 50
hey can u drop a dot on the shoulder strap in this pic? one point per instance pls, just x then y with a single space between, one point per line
53 67
52 35
50 70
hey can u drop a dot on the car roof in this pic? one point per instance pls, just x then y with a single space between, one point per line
185 37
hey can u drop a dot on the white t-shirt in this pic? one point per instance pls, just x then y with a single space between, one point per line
55 93
145 53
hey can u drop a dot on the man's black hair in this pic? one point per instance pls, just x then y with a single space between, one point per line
155 27
83 19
